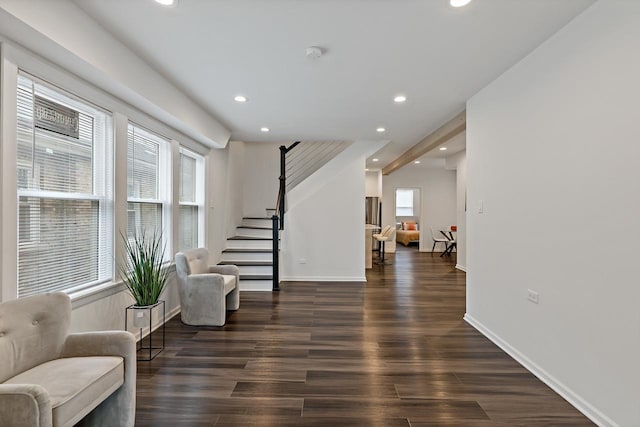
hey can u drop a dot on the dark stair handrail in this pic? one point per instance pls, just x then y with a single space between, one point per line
277 220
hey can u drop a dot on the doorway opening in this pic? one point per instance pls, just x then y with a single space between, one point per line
407 214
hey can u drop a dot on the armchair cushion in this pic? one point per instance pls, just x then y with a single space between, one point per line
76 385
229 283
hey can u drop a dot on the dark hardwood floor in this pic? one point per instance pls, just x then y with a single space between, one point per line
392 352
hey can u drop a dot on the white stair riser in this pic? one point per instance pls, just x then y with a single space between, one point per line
249 244
253 232
257 222
256 285
255 269
247 256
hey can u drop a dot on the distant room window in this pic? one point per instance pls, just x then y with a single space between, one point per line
404 202
65 191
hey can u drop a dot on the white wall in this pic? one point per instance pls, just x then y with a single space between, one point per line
438 205
323 239
262 169
235 187
373 184
217 201
459 163
553 151
106 311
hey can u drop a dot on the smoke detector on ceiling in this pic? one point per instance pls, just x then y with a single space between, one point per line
314 52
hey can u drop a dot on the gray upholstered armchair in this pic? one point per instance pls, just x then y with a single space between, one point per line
206 292
49 377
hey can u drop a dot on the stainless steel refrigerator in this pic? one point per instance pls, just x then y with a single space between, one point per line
373 210
373 214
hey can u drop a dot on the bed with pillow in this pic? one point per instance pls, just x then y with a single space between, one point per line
407 233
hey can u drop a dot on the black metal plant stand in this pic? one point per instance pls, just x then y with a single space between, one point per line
139 316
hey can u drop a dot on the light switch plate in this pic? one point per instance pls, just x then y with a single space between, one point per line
480 206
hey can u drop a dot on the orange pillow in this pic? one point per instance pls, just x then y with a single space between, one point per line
411 226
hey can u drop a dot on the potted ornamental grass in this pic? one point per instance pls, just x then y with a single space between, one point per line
143 272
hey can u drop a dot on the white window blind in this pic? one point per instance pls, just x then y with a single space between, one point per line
191 214
404 202
65 191
148 184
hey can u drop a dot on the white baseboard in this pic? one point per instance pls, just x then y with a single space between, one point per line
322 279
569 395
461 267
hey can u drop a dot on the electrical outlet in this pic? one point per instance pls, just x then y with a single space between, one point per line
533 296
302 261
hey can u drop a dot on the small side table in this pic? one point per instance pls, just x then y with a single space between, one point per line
143 317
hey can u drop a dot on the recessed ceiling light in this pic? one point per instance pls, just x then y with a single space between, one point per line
240 98
399 99
380 130
375 160
166 2
366 169
264 129
417 162
443 148
454 3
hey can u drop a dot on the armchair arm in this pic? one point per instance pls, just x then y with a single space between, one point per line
202 284
104 343
25 405
231 270
120 408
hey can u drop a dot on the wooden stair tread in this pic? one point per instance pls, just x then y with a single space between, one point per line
247 250
246 263
249 238
256 217
256 277
253 227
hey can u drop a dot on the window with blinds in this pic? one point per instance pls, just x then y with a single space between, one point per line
191 214
148 184
65 191
404 202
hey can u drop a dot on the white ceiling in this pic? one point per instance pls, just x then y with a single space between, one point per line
436 55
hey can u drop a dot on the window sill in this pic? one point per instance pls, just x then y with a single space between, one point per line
103 290
95 293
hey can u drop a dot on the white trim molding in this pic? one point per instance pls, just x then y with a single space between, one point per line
565 392
322 279
461 267
266 287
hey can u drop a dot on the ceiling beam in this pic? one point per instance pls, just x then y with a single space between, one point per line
441 135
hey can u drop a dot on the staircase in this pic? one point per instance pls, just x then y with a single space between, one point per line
308 157
251 250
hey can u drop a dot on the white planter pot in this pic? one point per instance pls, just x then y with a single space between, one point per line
141 317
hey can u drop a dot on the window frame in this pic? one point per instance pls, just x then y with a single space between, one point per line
164 184
199 189
102 181
15 61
